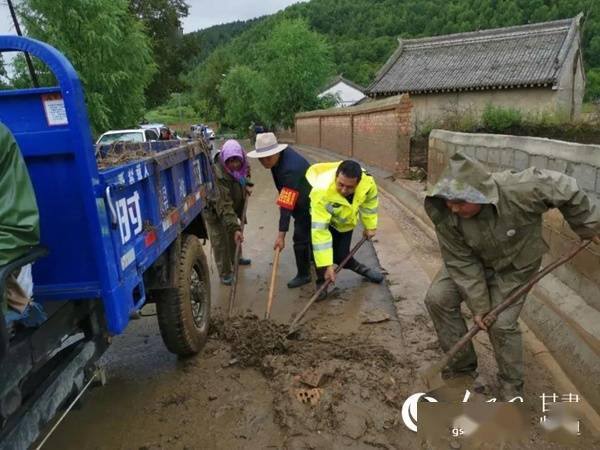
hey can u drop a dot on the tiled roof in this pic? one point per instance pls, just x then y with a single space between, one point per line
339 78
527 55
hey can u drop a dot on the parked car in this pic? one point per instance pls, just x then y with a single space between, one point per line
156 127
133 135
203 130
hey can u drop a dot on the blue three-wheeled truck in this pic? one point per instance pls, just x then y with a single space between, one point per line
112 240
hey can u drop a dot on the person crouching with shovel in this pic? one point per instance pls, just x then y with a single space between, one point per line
341 192
489 228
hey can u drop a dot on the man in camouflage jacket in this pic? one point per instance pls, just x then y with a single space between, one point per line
489 228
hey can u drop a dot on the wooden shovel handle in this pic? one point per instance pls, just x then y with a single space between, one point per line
272 286
236 262
512 298
324 285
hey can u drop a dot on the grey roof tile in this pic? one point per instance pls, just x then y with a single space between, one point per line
498 58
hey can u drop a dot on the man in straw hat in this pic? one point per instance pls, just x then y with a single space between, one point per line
289 169
489 227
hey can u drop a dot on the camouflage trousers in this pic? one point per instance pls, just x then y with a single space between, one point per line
443 301
222 243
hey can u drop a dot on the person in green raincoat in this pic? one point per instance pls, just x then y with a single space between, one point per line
223 215
19 219
489 228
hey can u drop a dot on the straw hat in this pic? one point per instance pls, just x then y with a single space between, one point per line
266 145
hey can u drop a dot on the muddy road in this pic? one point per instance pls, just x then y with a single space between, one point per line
340 383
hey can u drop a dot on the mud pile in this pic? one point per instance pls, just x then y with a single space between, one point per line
116 157
333 389
250 338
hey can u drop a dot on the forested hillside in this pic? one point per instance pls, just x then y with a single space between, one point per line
210 38
363 33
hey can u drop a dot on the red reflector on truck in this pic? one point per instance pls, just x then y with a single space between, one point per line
150 238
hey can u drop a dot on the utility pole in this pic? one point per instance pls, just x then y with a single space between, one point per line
34 78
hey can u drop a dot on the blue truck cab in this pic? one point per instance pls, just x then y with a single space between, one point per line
112 240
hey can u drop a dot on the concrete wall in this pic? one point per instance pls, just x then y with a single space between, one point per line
377 133
571 85
428 108
500 152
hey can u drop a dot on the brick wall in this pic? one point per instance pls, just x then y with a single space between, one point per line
336 134
500 152
308 131
377 133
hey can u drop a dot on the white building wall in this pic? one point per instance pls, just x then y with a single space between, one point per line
348 94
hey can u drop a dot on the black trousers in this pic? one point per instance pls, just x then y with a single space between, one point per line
301 239
341 248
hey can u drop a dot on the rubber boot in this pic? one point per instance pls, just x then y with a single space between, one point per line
302 254
323 294
320 282
374 276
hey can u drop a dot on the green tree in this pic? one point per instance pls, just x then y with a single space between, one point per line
172 49
295 62
241 91
107 46
593 85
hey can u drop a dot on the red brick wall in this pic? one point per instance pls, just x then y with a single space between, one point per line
336 134
376 138
377 133
307 131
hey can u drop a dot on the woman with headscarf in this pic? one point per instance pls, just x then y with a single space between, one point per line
224 215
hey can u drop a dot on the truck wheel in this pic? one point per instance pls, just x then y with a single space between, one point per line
184 312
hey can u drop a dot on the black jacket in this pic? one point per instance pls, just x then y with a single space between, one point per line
290 172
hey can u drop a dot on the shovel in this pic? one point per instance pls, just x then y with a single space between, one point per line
324 286
431 375
272 286
236 263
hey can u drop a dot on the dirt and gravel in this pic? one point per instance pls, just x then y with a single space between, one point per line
119 155
338 383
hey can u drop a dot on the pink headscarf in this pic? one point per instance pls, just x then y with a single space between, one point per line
231 149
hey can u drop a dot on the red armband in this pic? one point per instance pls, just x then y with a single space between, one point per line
287 198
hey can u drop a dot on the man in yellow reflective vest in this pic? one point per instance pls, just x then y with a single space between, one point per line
341 192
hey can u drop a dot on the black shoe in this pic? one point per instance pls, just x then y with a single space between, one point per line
374 276
299 280
323 294
244 261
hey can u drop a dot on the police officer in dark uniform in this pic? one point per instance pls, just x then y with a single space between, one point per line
289 169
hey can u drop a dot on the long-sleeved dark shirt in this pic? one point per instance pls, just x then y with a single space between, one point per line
289 172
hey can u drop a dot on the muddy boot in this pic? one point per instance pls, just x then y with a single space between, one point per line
298 280
302 254
320 282
374 276
323 295
479 385
508 391
227 280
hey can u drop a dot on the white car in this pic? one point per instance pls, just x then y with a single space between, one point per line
133 135
156 127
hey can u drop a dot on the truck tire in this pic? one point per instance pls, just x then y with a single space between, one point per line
184 312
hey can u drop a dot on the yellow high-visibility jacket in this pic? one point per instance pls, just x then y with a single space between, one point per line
329 208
